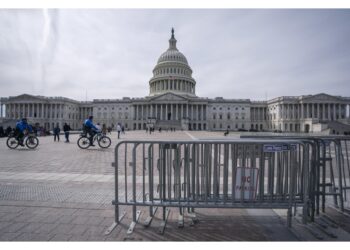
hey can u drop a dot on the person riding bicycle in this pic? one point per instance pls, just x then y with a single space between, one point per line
91 129
21 126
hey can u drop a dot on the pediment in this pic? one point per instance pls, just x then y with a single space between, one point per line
323 97
26 98
169 97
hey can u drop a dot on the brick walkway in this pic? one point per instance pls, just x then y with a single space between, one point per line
59 192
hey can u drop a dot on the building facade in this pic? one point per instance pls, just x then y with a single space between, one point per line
172 103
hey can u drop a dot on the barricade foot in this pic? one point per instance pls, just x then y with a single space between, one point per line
194 219
163 223
148 220
115 224
133 224
180 222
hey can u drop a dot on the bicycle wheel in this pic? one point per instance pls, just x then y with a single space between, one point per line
32 142
83 142
104 142
12 142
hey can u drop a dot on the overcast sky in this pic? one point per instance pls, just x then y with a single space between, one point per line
233 53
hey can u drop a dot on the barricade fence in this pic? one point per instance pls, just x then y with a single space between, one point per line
332 168
245 173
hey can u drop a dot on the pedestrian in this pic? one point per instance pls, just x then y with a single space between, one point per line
8 130
66 129
56 132
98 126
123 130
119 129
2 132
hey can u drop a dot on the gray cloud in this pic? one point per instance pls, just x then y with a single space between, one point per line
234 53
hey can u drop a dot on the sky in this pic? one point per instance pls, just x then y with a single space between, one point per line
256 54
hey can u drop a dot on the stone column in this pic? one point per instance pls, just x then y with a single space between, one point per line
54 111
313 110
161 111
318 110
166 111
302 110
33 110
334 112
172 111
197 110
42 111
176 112
187 110
329 111
142 115
339 106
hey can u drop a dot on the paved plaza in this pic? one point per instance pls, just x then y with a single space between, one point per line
59 192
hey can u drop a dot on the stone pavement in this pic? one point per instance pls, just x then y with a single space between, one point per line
59 192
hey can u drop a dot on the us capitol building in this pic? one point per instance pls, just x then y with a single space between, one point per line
172 102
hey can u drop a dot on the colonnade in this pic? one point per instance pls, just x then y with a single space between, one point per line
176 85
322 111
85 112
258 113
35 110
176 111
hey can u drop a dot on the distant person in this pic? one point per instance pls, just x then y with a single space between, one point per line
8 130
119 129
22 127
2 132
56 132
160 130
226 132
91 129
98 126
66 129
123 130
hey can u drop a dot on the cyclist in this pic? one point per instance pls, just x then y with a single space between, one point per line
21 126
91 129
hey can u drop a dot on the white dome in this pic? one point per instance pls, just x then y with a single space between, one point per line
172 72
172 55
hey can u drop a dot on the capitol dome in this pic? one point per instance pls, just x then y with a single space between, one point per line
172 55
172 72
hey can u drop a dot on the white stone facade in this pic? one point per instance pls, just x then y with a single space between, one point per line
172 102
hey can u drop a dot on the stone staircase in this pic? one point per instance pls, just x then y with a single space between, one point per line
167 124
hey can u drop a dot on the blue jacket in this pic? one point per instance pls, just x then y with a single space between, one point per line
21 125
88 123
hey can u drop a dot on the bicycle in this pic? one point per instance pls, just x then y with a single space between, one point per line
30 140
102 140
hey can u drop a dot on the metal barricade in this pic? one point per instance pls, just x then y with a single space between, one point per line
211 174
332 168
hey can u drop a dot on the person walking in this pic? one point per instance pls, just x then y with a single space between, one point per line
66 129
56 132
119 129
123 130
